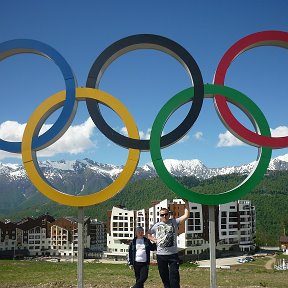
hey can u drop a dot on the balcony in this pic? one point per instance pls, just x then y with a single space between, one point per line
245 243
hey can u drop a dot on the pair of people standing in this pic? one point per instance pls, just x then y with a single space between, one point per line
164 234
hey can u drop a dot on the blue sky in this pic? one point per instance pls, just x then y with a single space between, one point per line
144 79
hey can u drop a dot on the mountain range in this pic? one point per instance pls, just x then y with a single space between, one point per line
80 177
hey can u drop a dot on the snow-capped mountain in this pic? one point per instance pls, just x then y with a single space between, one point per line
54 169
80 177
197 169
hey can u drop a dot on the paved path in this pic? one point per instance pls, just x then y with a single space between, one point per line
227 262
270 263
220 262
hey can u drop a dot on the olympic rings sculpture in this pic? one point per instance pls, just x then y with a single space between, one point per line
69 98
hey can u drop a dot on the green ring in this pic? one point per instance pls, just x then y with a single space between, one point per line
255 115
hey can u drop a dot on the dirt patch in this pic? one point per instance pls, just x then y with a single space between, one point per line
270 263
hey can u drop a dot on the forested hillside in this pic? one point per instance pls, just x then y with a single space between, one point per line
270 198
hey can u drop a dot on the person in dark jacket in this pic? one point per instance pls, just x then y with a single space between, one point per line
139 257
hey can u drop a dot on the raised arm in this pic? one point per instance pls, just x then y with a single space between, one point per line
185 216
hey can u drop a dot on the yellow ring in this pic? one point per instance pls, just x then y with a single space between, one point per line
30 160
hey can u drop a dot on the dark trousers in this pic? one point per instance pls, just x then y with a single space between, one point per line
168 266
141 273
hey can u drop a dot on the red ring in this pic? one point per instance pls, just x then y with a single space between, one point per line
264 38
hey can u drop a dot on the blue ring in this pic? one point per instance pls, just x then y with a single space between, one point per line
13 47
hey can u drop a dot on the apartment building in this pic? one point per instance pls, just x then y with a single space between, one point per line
98 237
26 237
64 237
235 224
46 236
121 223
8 238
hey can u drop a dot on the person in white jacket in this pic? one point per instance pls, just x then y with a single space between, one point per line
139 256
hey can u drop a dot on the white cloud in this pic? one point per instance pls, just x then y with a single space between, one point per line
11 131
4 155
77 139
279 131
198 135
184 139
227 140
124 131
145 135
142 135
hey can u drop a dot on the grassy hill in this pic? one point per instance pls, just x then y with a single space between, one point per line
270 198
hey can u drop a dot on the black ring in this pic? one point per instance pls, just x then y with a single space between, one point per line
145 41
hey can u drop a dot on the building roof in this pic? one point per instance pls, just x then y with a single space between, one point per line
284 239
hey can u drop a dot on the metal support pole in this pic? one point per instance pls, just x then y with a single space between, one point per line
212 243
80 250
